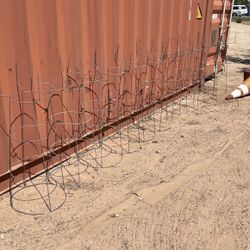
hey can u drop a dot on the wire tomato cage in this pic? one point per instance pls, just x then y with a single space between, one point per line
93 121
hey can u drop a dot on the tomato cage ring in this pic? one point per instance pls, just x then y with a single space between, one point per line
116 137
141 131
68 159
49 197
43 180
70 118
70 166
42 137
98 144
69 175
63 141
43 189
107 112
98 161
123 141
96 153
99 151
158 121
120 140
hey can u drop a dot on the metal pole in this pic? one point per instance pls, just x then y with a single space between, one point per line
227 46
221 36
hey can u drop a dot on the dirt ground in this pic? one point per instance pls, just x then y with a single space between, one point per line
187 188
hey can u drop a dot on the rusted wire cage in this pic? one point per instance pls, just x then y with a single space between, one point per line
85 82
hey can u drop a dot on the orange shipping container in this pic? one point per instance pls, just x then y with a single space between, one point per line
51 49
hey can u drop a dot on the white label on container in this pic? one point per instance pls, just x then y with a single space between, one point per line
190 11
214 16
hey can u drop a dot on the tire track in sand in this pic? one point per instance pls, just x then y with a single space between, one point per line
150 195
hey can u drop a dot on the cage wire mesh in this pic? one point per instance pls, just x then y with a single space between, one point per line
94 120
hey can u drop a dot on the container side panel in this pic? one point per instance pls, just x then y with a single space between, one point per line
69 68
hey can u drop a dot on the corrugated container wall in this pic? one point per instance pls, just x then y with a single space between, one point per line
57 53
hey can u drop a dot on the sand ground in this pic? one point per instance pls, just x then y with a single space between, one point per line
187 187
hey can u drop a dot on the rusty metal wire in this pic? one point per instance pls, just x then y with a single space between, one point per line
91 118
